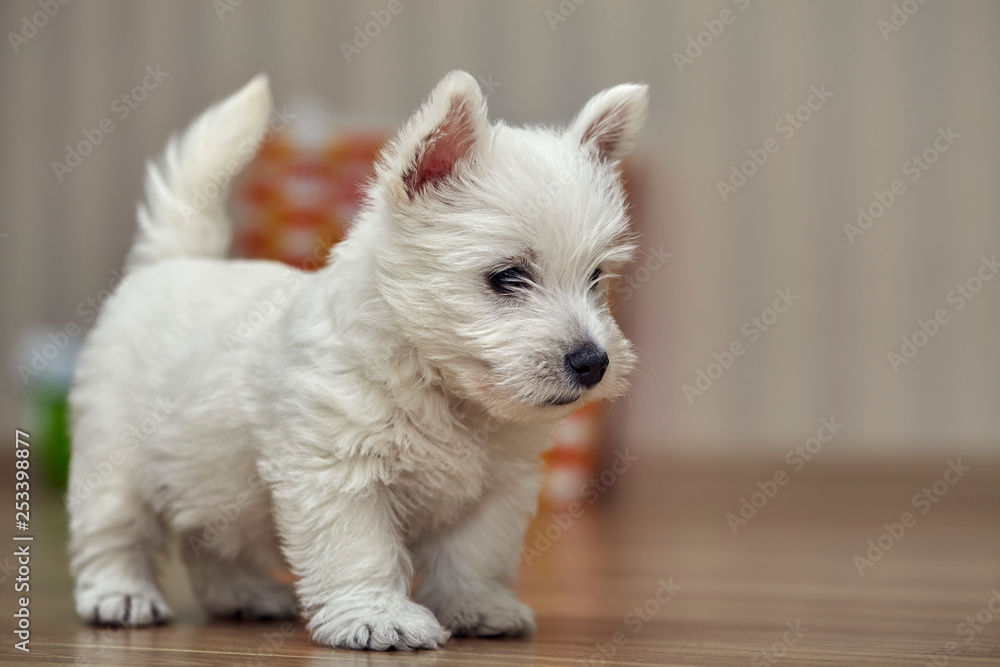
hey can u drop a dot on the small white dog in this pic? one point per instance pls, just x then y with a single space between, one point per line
383 416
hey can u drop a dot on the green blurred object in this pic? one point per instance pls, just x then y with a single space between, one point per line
47 371
49 405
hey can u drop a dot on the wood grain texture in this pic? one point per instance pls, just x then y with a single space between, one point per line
659 523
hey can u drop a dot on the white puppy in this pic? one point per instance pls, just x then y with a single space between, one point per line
380 418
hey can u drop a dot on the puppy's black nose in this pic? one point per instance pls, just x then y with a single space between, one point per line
587 364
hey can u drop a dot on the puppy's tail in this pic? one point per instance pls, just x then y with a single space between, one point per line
184 212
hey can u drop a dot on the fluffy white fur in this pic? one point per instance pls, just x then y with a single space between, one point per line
376 419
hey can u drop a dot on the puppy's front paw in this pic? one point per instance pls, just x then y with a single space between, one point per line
489 615
397 624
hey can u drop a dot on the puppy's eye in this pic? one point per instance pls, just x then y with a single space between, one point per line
594 277
510 280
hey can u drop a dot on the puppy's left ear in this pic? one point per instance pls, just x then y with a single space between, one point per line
608 125
443 136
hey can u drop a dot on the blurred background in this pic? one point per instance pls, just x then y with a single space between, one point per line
771 124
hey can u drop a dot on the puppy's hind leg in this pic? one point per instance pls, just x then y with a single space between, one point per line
115 540
238 589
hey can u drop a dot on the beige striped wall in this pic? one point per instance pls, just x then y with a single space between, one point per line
783 229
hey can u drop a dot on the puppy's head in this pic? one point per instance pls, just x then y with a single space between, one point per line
499 246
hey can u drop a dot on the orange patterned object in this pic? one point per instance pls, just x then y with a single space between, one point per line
297 200
573 457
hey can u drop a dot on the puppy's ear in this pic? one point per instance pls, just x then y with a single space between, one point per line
608 125
441 137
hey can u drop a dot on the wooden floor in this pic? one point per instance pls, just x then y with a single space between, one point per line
785 589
